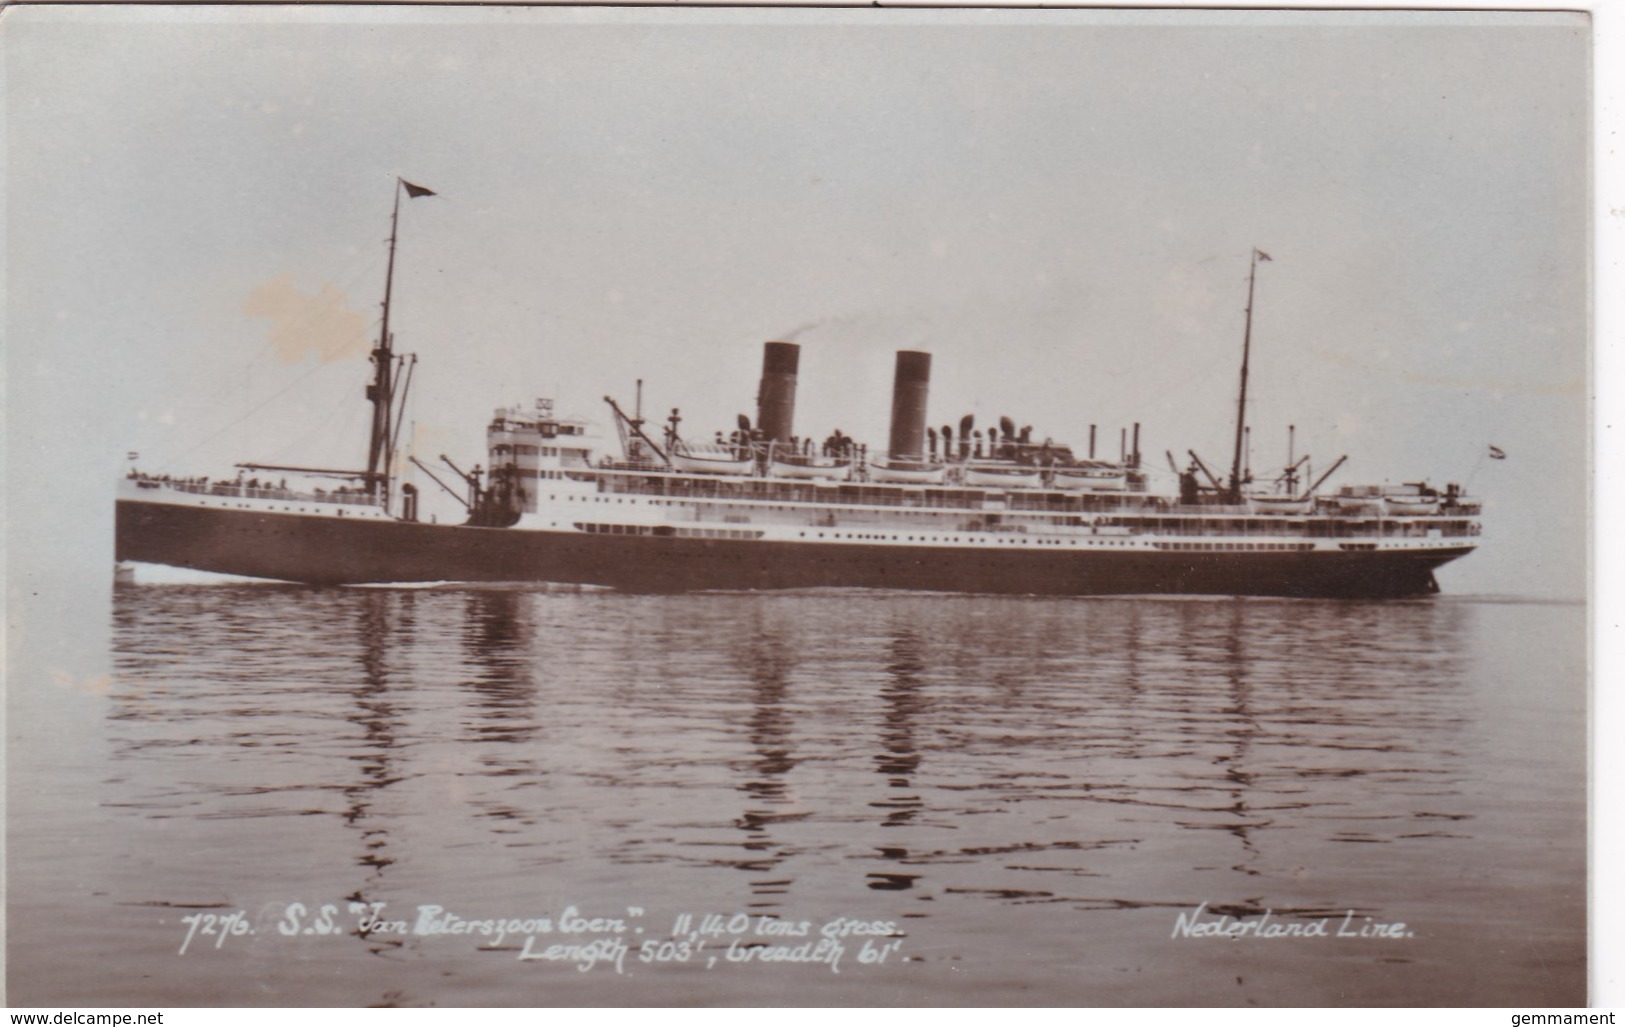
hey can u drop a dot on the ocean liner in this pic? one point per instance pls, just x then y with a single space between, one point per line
952 508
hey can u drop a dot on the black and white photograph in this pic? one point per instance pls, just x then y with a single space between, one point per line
771 506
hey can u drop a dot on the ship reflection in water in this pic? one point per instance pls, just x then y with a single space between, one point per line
1034 791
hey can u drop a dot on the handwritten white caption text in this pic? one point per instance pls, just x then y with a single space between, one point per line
575 938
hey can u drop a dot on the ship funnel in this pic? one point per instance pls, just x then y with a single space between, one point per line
908 395
776 397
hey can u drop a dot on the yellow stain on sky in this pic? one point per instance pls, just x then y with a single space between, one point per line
94 684
302 324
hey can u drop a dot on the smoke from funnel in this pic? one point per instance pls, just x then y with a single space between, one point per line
795 333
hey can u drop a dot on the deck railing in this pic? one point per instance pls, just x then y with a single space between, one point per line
240 491
973 500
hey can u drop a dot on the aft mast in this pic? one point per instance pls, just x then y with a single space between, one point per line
381 392
1241 403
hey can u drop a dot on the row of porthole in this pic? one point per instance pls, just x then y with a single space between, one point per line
954 538
1166 546
285 509
893 538
1233 547
1180 546
781 509
1169 546
657 502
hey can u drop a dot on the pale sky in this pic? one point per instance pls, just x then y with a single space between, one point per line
1059 205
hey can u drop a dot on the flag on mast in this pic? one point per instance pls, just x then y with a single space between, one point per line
414 191
1260 254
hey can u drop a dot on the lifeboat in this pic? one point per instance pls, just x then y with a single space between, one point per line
906 473
719 460
1103 478
1001 475
1276 503
1410 501
789 466
1358 499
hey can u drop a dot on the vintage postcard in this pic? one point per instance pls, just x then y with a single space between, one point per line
569 506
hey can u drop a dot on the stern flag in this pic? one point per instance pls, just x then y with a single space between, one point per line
1497 453
414 191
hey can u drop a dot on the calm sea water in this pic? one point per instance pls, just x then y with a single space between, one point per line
1025 798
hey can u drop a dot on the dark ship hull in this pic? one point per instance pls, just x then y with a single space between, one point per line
328 550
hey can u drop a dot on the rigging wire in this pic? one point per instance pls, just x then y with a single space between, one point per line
248 413
256 363
352 413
